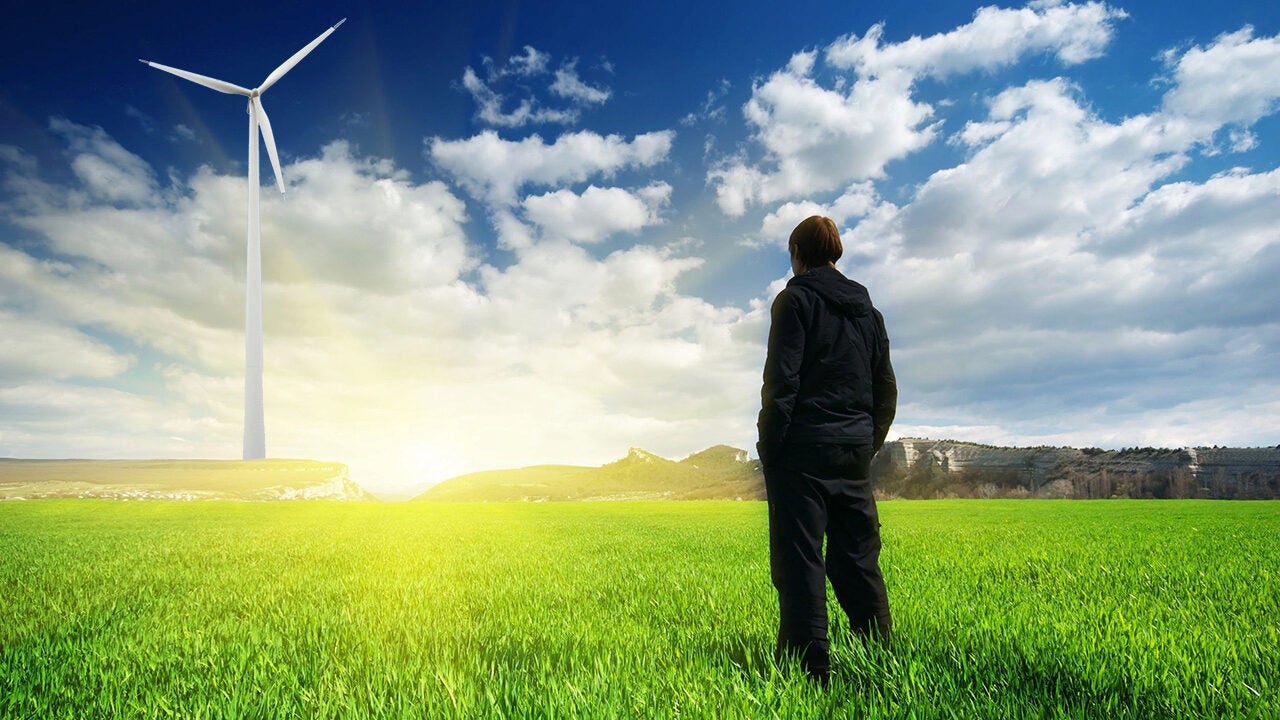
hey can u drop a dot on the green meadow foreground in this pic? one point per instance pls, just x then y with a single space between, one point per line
1107 609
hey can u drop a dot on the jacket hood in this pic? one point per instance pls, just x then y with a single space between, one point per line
846 296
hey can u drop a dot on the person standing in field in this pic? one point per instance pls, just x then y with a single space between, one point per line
828 400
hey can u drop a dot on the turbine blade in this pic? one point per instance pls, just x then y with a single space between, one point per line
270 139
211 83
287 65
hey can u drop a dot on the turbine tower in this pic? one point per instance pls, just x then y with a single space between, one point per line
255 440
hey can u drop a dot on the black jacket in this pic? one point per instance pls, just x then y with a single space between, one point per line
827 377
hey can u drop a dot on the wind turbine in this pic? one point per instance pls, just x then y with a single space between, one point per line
255 440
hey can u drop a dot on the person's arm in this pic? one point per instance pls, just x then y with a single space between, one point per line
781 376
884 389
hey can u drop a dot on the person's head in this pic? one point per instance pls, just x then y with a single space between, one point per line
815 242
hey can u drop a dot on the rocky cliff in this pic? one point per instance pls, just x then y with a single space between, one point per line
933 465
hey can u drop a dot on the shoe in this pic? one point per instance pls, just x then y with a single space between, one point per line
817 665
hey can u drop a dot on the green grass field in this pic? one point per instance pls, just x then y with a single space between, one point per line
1107 609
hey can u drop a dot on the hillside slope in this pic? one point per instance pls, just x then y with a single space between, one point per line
717 473
907 467
178 480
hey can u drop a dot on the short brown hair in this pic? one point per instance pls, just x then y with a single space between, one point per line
816 241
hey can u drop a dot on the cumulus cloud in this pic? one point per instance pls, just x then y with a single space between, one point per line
107 170
995 37
1044 167
615 326
597 212
1190 220
497 172
495 169
170 274
349 221
858 200
815 137
1233 81
405 234
57 419
504 174
36 350
818 138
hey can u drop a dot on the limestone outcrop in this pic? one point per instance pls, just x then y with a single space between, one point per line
1087 472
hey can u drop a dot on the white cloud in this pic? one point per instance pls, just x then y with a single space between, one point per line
48 419
171 275
597 212
1225 221
182 133
816 138
858 200
107 170
498 172
403 234
495 169
617 338
18 158
1241 420
348 221
491 105
1235 80
1242 141
498 109
36 350
1044 169
528 63
568 85
712 110
994 38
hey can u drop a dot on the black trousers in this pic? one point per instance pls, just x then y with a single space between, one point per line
817 490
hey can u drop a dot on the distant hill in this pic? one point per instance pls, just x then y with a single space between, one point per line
178 480
905 468
717 473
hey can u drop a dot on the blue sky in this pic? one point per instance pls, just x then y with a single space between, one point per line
517 234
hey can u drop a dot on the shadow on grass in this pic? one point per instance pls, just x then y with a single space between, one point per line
988 676
752 662
973 677
750 658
